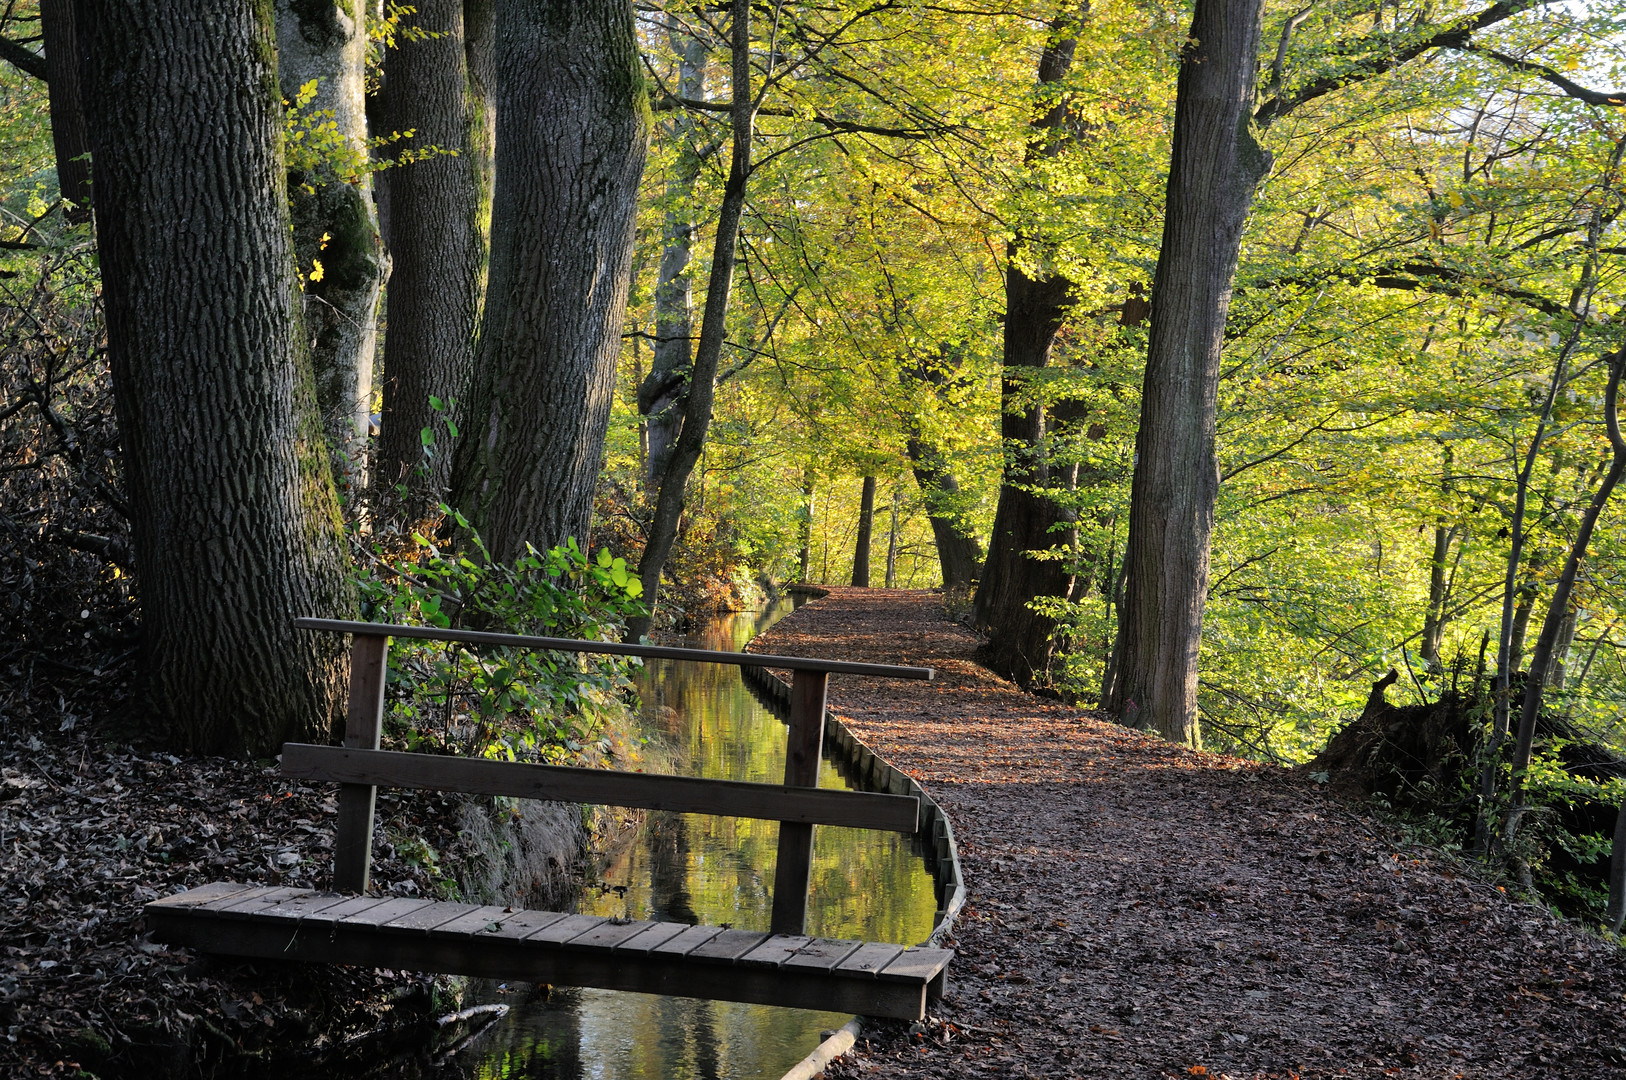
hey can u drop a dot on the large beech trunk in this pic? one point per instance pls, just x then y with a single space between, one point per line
572 135
437 246
1215 168
335 223
234 516
1025 522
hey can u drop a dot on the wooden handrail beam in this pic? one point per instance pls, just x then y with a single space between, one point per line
649 791
616 648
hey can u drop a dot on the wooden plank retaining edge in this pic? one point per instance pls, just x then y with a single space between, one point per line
649 791
874 769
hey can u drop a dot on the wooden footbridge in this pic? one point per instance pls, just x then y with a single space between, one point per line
781 966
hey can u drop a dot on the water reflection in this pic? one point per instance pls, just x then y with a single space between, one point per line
696 868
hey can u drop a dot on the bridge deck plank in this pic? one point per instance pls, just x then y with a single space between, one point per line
552 947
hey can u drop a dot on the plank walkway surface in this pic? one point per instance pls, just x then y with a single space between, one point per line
493 942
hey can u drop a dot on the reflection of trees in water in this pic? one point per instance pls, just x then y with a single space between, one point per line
704 869
667 838
545 1045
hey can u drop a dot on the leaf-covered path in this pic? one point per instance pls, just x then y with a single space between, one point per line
1141 910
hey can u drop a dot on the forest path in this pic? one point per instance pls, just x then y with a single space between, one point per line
1138 909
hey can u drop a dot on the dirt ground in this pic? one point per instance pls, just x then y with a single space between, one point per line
1137 909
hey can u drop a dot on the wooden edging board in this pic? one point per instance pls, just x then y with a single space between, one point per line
648 791
875 770
616 648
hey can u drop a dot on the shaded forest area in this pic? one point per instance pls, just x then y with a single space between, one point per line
1217 360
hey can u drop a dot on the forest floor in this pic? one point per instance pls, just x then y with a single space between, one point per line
91 829
1137 909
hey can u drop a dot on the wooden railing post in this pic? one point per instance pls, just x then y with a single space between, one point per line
363 725
803 750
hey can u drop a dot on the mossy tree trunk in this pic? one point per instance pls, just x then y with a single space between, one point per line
440 210
234 516
573 127
335 223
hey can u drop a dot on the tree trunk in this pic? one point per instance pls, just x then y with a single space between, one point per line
1525 606
958 552
662 394
437 251
1213 173
335 224
1557 673
234 516
866 532
892 545
573 132
1019 639
1025 521
1439 582
805 525
702 388
1617 875
68 135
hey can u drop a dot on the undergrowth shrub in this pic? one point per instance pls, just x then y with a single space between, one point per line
65 559
497 701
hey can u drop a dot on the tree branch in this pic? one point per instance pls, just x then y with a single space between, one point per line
23 59
1451 36
1615 99
669 102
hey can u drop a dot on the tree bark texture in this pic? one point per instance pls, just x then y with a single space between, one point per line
573 129
866 534
662 394
336 224
1025 521
1215 168
69 137
234 515
702 389
437 251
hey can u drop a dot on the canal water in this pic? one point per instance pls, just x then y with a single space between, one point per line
712 870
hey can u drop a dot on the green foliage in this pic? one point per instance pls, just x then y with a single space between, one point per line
318 153
505 703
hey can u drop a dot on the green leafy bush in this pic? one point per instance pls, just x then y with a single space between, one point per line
500 702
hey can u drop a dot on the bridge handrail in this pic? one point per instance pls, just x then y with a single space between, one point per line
364 722
616 648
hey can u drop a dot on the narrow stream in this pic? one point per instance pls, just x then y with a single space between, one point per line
713 870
